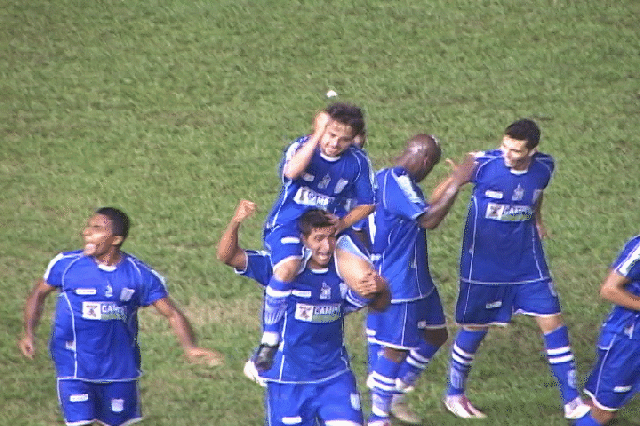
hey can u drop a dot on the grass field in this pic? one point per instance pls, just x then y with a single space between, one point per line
173 110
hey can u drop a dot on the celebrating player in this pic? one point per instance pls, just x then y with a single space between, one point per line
615 377
503 270
311 380
318 171
412 328
94 335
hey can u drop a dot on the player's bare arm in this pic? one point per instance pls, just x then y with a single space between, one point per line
32 313
358 213
229 250
432 217
298 163
542 230
613 290
184 332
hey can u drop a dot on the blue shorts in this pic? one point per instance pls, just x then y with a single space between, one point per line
332 402
112 403
482 304
285 241
615 377
402 325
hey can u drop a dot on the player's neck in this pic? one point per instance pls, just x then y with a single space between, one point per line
110 258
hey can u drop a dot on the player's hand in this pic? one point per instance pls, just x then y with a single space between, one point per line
244 210
542 231
321 122
367 286
27 347
462 172
204 356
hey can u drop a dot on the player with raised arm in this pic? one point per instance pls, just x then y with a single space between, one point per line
503 270
318 171
311 380
94 340
412 328
615 377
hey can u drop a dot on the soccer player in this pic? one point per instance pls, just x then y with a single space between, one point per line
412 328
615 377
318 171
503 270
94 334
311 380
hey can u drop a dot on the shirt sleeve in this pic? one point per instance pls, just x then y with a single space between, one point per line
55 269
258 268
401 197
354 302
155 287
364 182
628 262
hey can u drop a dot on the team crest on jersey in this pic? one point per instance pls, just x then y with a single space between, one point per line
324 183
342 183
108 292
126 294
325 291
518 193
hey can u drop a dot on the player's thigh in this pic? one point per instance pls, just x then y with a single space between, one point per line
615 377
338 402
78 401
119 403
284 242
536 299
289 404
481 304
397 326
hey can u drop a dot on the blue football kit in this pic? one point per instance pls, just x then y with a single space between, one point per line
311 379
615 378
501 245
328 183
94 334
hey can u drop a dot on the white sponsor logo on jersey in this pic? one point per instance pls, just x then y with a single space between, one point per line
103 311
308 197
318 314
508 213
493 194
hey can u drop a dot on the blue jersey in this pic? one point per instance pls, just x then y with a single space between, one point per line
621 320
95 330
501 244
399 249
312 347
327 183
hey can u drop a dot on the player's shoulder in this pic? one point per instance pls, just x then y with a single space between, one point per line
140 267
66 257
632 245
544 158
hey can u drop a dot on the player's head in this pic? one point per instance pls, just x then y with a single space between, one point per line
420 155
318 235
346 121
360 140
519 143
105 232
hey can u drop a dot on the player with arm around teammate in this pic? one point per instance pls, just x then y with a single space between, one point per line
318 171
503 270
94 335
310 380
615 377
412 328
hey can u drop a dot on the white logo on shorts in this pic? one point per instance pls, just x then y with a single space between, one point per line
355 401
79 397
117 405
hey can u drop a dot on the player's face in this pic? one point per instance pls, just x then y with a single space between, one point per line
98 236
322 243
516 154
336 139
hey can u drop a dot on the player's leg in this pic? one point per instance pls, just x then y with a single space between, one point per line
352 260
477 307
337 402
397 332
119 403
614 379
286 254
289 404
77 401
540 300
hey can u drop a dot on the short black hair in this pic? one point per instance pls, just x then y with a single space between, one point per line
119 221
347 114
524 130
314 219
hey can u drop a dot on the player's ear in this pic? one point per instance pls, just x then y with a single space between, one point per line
532 151
118 240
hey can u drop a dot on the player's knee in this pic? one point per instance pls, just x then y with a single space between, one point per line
436 337
395 355
602 416
287 269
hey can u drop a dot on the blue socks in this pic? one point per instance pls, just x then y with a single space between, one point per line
561 361
383 384
415 363
462 353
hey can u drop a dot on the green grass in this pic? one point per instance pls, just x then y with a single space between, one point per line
173 110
